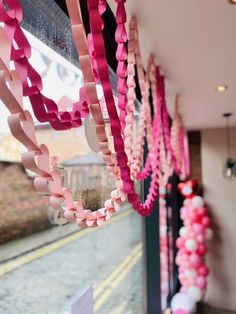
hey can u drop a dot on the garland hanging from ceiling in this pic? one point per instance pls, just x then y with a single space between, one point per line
125 164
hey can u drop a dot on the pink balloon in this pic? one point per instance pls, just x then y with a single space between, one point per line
202 210
200 238
203 271
181 252
178 260
198 229
187 222
180 243
183 289
201 282
202 249
193 216
206 222
195 260
180 311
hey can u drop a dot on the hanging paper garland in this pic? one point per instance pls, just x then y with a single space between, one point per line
45 109
192 247
179 144
119 167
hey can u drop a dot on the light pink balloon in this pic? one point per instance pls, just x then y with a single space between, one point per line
195 260
202 210
201 282
200 238
180 243
180 311
198 229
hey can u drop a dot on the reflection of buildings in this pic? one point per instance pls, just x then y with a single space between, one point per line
88 175
66 144
10 148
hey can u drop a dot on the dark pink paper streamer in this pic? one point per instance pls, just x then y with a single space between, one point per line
45 109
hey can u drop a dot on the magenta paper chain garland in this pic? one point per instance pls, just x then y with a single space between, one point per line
45 109
179 145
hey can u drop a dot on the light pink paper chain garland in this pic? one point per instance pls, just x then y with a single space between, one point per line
121 55
135 154
37 158
45 109
179 144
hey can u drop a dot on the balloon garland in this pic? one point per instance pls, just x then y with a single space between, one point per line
192 248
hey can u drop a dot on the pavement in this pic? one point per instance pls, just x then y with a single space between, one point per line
46 279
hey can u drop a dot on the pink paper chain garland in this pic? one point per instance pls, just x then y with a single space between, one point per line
45 109
121 55
179 144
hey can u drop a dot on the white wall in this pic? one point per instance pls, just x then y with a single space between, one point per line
220 195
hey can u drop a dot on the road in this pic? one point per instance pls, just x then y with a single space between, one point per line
47 280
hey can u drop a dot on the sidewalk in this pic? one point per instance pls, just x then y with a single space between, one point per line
21 246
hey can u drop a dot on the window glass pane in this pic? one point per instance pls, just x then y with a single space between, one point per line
45 267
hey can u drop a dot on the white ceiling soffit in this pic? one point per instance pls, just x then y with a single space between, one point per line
195 45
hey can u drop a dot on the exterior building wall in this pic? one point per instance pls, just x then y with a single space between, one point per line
194 138
22 210
220 195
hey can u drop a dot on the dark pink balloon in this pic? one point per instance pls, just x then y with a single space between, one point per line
203 271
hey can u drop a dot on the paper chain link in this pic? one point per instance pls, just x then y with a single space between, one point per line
45 109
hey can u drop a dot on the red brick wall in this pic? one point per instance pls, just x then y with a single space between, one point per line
194 138
22 210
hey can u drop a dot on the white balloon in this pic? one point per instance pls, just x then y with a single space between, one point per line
191 245
163 230
191 273
183 301
162 201
197 201
162 190
187 190
195 293
209 234
186 202
183 231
